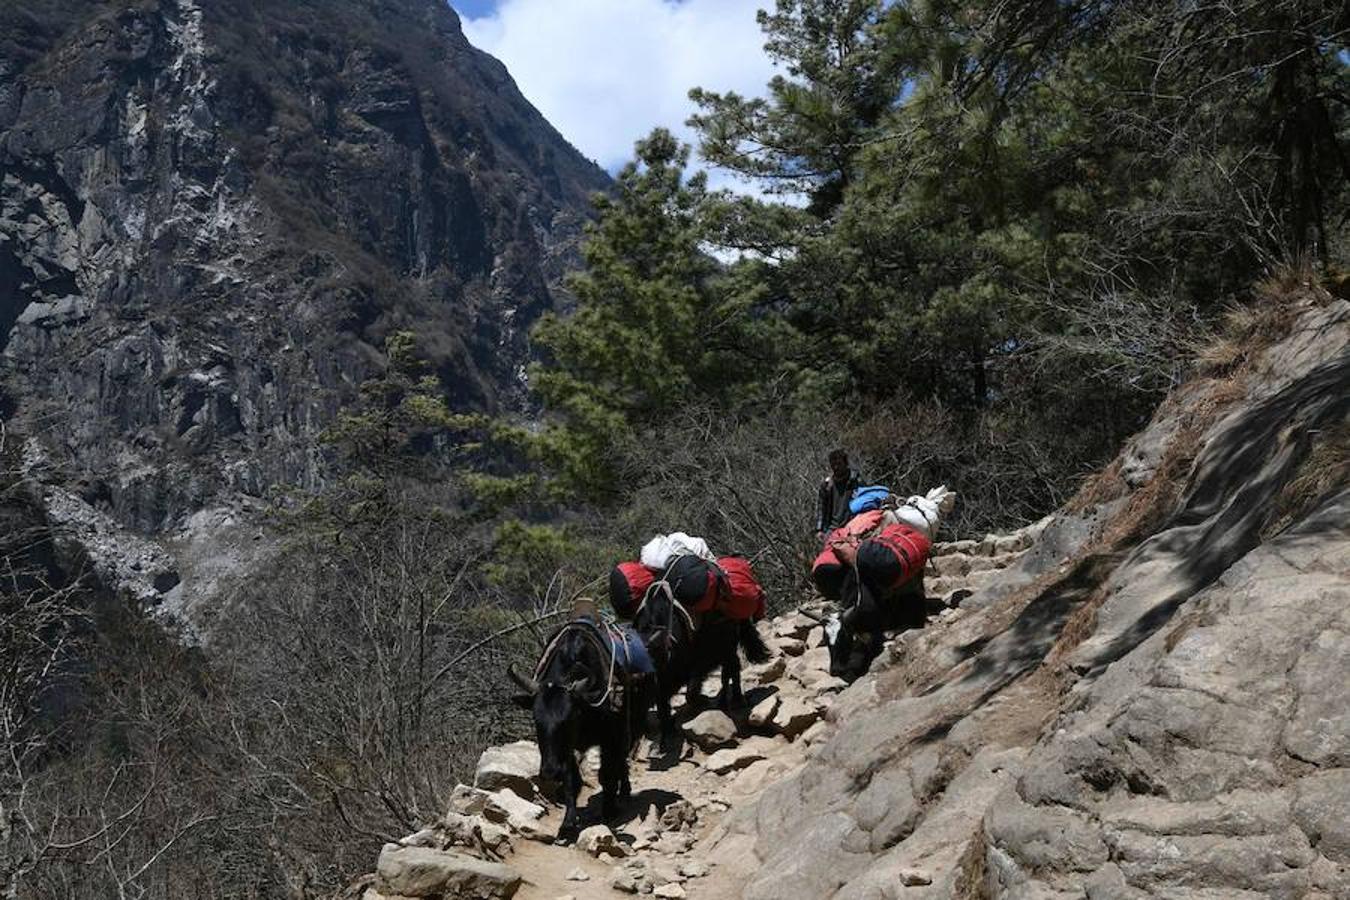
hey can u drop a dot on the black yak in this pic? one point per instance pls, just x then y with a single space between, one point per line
592 687
686 647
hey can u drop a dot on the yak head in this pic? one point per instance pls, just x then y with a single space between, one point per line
850 648
558 698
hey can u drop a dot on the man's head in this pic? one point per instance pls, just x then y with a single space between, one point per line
839 465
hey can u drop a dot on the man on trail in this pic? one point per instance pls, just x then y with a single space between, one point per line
835 491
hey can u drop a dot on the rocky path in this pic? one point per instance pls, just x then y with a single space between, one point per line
496 839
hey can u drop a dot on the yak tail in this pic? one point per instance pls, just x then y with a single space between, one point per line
752 644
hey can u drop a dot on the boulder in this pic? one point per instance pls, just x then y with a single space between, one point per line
949 548
711 729
427 837
693 868
514 766
505 807
817 658
469 801
673 843
761 714
599 839
815 733
424 872
672 891
794 716
731 759
829 684
1012 543
981 564
794 625
664 871
678 816
631 877
954 566
473 832
625 880
769 672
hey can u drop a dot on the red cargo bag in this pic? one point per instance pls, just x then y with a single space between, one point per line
844 540
827 573
743 597
628 583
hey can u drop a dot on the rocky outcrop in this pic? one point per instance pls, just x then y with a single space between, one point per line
211 214
1148 713
426 872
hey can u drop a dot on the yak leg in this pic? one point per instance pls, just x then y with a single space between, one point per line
875 645
732 697
613 776
571 790
665 720
693 691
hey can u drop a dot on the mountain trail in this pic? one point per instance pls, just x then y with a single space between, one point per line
671 838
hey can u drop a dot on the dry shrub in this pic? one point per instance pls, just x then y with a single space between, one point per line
1325 468
748 482
1103 487
1247 329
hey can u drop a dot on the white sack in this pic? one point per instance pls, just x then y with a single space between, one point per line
660 550
923 513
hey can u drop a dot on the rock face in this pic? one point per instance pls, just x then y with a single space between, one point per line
1148 703
211 215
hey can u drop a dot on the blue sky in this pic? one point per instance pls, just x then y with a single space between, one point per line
474 9
605 72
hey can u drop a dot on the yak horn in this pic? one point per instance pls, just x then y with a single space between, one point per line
525 684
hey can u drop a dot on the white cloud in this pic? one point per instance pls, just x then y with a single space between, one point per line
605 72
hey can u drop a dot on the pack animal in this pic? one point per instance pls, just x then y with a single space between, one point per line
856 635
686 647
881 589
584 693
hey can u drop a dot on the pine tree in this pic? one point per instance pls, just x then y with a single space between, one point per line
658 323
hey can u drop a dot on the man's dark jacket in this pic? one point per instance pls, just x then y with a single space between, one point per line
832 505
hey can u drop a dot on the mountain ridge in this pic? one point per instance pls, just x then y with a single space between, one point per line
213 214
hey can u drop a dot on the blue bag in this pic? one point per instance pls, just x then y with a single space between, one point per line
871 496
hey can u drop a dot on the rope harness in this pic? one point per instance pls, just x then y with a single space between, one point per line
664 587
606 637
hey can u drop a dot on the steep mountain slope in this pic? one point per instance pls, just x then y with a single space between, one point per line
1148 702
211 215
1139 718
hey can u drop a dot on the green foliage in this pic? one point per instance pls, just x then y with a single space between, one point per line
526 556
397 418
1030 201
1019 213
658 322
803 137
